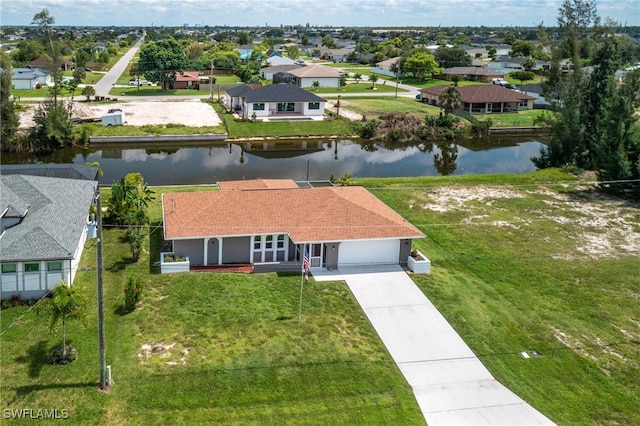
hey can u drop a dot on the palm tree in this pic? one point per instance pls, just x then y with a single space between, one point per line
450 99
529 64
357 77
66 303
315 85
373 78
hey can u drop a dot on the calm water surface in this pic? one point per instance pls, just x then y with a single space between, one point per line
302 160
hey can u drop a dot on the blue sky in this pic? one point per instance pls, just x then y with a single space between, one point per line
373 13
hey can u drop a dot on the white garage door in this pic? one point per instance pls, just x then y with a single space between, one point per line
367 252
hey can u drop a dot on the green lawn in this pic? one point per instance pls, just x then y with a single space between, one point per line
519 263
294 128
511 273
374 107
361 87
515 119
222 349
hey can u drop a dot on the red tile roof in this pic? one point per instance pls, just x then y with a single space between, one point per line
306 214
481 93
258 184
188 76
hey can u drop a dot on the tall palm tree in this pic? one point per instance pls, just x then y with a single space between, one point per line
450 99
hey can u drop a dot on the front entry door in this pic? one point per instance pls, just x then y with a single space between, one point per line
316 252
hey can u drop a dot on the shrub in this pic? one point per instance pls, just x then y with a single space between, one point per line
132 293
62 357
170 257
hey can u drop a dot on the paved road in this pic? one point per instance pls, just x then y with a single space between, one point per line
450 383
105 84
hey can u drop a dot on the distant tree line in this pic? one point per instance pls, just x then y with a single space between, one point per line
595 122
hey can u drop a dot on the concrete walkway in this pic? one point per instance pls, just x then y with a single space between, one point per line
450 383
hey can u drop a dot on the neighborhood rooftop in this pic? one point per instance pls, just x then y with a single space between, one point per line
51 213
306 214
481 93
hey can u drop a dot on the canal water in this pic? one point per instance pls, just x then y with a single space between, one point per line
300 159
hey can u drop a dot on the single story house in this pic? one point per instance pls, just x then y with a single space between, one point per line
186 80
475 52
470 74
234 96
268 72
275 101
274 61
483 99
501 48
507 65
43 231
276 221
325 76
335 55
46 62
385 67
28 78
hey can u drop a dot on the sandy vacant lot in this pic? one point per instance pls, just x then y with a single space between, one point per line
190 112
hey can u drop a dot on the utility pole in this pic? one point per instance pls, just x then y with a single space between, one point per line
101 346
211 82
397 76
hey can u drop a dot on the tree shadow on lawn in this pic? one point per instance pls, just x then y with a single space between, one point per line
155 247
36 357
120 265
28 389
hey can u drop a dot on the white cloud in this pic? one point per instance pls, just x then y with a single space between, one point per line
314 12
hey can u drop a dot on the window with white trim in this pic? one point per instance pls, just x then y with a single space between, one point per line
286 107
9 268
258 107
31 267
54 266
314 105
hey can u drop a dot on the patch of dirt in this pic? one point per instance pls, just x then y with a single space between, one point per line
163 350
351 115
605 225
448 199
189 112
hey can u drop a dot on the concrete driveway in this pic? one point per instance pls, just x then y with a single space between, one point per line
450 383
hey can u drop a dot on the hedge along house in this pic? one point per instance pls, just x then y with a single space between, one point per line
43 231
270 223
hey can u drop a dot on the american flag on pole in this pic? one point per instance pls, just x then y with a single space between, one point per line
305 261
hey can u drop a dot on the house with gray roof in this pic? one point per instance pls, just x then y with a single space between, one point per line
275 102
325 76
268 72
29 78
42 232
506 65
